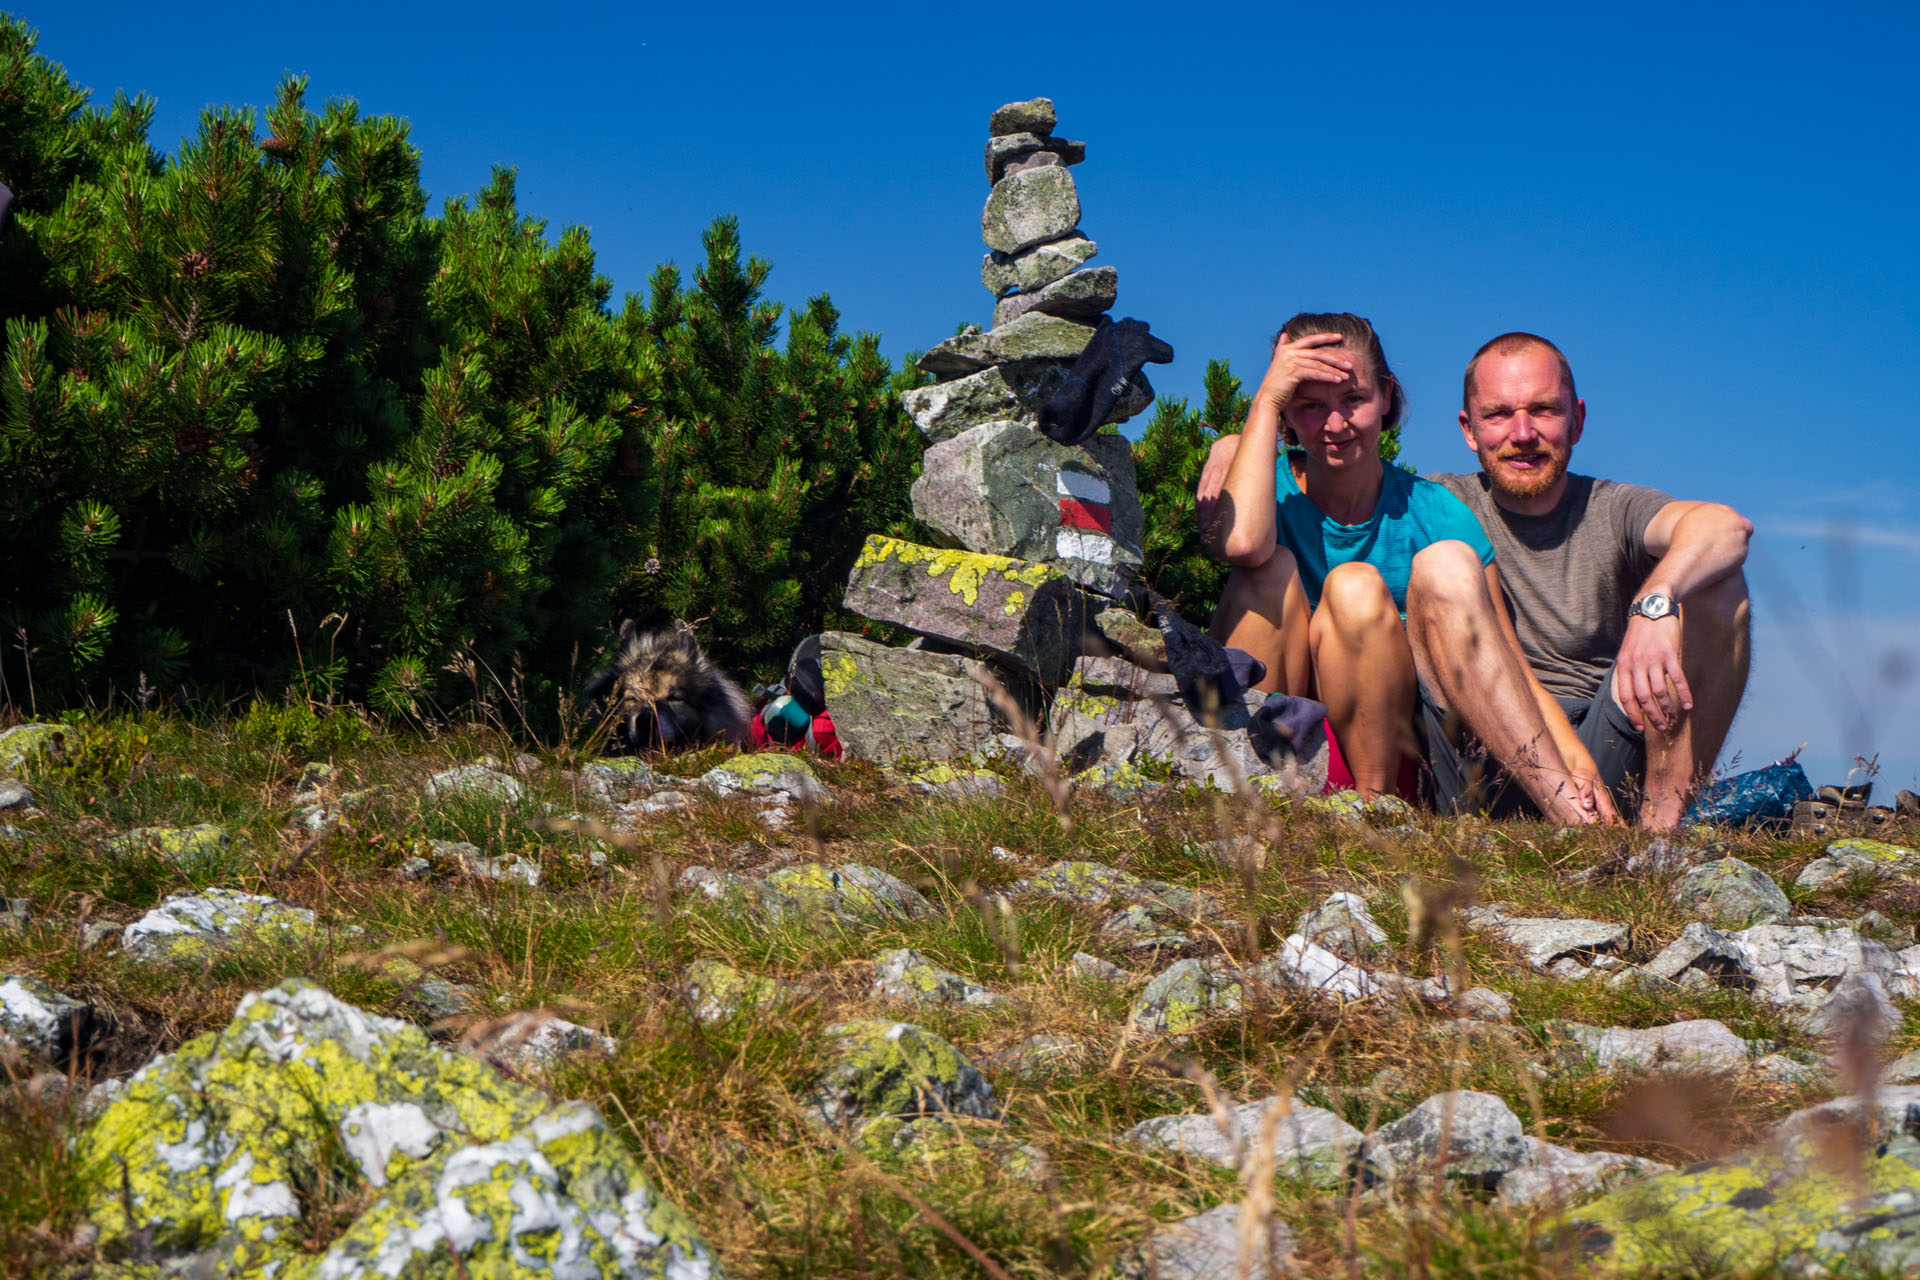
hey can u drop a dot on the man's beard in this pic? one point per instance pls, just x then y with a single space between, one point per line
1553 466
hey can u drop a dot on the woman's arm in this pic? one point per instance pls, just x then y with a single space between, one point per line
1250 534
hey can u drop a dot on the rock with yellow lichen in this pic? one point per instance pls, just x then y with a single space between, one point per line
1026 613
891 705
224 1156
880 1068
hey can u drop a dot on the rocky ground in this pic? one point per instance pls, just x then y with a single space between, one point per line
291 996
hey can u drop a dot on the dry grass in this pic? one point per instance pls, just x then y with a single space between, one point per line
711 1110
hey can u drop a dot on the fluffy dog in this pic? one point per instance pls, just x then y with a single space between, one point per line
661 692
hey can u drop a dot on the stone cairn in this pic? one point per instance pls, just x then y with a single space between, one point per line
1038 541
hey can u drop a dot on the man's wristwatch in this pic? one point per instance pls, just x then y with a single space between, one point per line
1654 604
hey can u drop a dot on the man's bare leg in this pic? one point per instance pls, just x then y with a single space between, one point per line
1364 672
1462 653
1714 654
1264 611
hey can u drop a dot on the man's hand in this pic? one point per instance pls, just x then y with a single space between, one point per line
1593 796
1213 482
1648 681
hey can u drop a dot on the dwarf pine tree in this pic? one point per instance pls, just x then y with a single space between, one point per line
767 466
251 391
1168 458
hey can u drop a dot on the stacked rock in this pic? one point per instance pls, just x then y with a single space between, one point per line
1028 526
1037 538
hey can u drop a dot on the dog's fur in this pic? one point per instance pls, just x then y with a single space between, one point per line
661 692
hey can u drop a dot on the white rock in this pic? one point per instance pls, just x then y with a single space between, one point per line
1207 1247
1300 963
1696 1045
1306 1140
1546 940
1556 1173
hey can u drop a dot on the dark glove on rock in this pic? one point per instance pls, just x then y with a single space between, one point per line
1284 725
1105 371
1202 670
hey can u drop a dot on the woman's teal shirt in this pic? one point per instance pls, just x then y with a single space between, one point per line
1412 513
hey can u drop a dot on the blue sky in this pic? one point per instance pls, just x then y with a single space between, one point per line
1710 207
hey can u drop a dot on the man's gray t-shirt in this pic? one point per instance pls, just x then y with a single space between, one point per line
1569 575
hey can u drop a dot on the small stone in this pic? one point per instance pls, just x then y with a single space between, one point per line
98 934
1030 208
1093 967
1036 268
717 991
531 1041
905 974
467 860
1733 893
1308 967
961 784
783 772
1207 1247
617 781
1342 923
24 741
14 795
473 780
1084 295
1038 336
849 894
963 354
1778 1068
193 926
46 1024
1034 115
1478 1134
1009 152
1308 1141
1556 1173
1008 393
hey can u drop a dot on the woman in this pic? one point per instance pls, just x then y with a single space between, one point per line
1328 546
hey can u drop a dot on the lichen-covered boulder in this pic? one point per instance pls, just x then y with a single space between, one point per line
1866 857
473 780
1027 613
882 1068
1732 893
1030 115
182 846
1557 1173
24 741
41 1021
961 784
191 926
1005 489
1778 1210
894 704
1009 393
906 975
1095 884
437 858
617 781
850 893
1184 995
782 772
207 1151
716 991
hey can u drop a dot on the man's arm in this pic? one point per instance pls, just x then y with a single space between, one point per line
1213 482
1697 543
1583 772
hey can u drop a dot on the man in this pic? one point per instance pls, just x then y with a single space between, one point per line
1595 575
1631 607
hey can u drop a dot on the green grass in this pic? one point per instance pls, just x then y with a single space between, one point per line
714 1112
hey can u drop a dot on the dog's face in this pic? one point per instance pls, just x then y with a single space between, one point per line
662 691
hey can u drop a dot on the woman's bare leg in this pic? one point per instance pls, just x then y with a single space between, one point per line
1363 668
1264 611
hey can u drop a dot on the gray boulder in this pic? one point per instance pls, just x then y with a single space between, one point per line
1308 1141
1207 1247
891 704
1788 961
1005 490
1008 393
473 780
1702 955
1343 924
1557 1173
1695 1046
23 741
1184 995
1007 151
194 926
1545 940
1030 208
1029 614
1732 893
1036 268
1472 1136
14 795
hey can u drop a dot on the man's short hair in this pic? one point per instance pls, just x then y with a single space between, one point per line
1512 344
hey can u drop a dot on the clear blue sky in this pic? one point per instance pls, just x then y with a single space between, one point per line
1711 208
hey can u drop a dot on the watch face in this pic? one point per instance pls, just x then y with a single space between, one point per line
1654 606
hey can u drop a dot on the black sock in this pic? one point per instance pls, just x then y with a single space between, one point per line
1108 368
